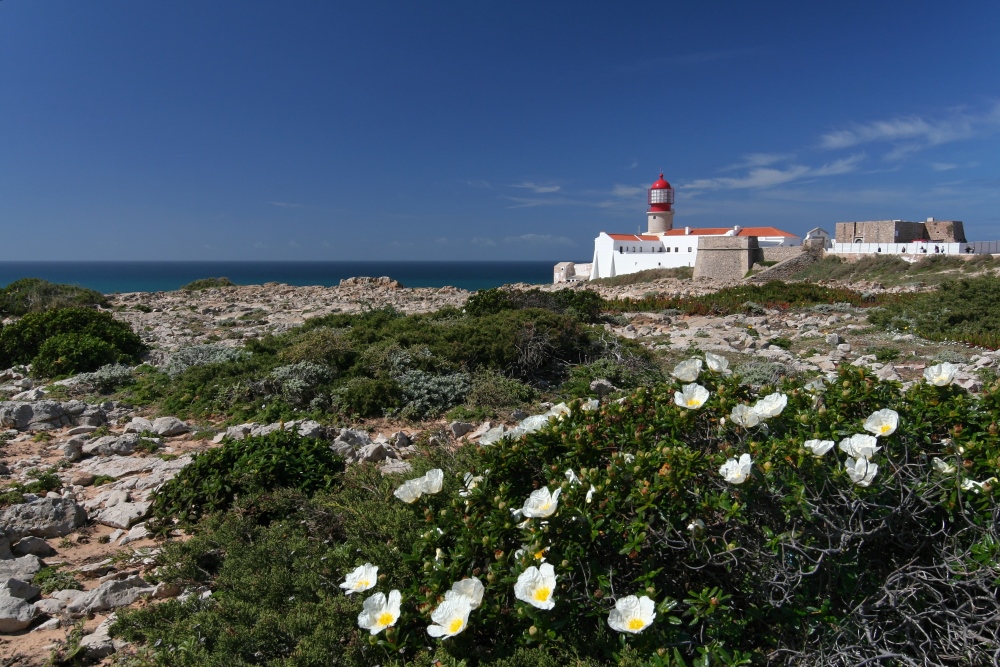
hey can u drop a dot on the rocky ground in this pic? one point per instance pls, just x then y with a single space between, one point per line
110 458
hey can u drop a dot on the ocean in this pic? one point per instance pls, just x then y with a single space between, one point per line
110 277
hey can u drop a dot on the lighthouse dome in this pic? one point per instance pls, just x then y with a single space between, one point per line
660 184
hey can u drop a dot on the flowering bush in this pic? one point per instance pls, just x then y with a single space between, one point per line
649 533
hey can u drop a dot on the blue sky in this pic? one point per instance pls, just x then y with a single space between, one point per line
248 130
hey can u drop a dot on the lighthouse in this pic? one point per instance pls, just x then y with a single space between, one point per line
660 216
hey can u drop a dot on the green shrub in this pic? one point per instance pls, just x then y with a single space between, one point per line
795 560
583 304
625 372
761 373
647 276
108 378
425 394
51 579
782 342
30 295
369 397
490 389
22 341
207 283
199 355
884 354
212 481
68 353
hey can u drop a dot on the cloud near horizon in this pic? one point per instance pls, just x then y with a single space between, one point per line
539 189
766 176
912 133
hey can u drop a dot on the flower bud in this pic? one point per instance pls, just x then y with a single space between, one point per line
532 631
565 563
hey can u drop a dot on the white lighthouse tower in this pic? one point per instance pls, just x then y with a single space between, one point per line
660 216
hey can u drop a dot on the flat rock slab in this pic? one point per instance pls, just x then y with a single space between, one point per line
118 467
45 517
15 614
23 568
110 595
123 515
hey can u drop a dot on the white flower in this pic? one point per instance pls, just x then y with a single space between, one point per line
629 457
632 614
744 415
818 447
592 404
538 555
940 375
572 478
882 422
433 481
410 490
736 472
536 586
590 495
697 527
470 483
361 579
379 613
471 588
450 617
541 503
942 467
815 386
860 446
716 362
691 396
560 410
688 370
973 485
771 405
861 471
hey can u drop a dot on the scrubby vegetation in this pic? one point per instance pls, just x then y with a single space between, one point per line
965 310
68 340
383 362
893 270
749 298
32 295
207 283
647 276
800 557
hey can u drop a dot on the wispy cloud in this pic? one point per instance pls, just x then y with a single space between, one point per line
626 190
759 160
943 166
766 177
633 165
909 134
483 242
540 189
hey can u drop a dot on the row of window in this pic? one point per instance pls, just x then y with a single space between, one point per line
622 249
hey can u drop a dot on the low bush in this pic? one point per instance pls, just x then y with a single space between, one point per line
51 579
108 378
492 390
798 556
425 394
68 353
22 341
761 373
369 397
647 276
215 478
200 355
31 295
583 304
965 310
207 283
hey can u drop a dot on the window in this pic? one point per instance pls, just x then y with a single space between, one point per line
689 248
668 249
677 249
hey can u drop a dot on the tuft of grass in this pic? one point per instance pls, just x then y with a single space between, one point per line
207 283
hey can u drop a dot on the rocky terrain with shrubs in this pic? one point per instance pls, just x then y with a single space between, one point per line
642 474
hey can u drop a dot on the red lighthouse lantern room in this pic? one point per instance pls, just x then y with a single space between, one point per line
661 195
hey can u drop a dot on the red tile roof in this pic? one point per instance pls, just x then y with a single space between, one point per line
633 237
720 231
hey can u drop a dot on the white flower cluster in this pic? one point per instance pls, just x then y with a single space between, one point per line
940 375
748 416
430 483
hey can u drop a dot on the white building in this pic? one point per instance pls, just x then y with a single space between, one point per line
662 246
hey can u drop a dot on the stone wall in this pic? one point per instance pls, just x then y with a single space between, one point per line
947 231
726 257
780 253
880 231
811 251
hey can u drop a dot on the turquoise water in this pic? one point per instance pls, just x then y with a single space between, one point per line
108 277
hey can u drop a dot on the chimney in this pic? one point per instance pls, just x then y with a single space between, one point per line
930 219
687 230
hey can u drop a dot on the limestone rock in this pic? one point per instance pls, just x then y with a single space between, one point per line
139 425
72 449
834 339
310 428
354 438
372 453
34 546
123 514
602 387
15 614
110 595
16 588
458 429
395 467
35 394
137 533
169 426
23 568
112 445
98 644
887 373
45 517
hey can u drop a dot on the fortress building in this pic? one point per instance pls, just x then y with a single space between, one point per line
663 247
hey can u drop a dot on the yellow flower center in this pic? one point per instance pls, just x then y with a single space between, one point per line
636 624
546 506
385 619
362 583
455 626
693 403
542 594
886 428
539 554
